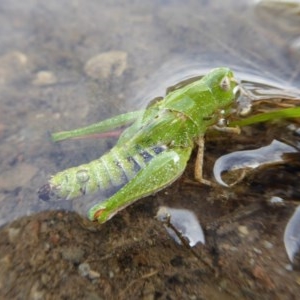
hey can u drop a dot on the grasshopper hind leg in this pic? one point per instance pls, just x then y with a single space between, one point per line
160 172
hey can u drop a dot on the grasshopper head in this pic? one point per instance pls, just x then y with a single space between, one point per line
222 83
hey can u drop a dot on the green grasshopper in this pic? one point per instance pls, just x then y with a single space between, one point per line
151 153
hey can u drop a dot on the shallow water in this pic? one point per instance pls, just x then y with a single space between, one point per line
46 83
160 43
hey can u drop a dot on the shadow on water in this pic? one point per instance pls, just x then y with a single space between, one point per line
66 64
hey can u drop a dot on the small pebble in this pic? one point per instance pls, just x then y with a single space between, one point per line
276 200
268 245
43 78
84 270
93 275
289 267
111 274
257 251
243 230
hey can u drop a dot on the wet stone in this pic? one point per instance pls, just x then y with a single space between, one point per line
106 64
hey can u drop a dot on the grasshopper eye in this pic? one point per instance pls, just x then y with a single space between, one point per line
225 84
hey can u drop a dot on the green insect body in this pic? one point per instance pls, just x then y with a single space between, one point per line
152 152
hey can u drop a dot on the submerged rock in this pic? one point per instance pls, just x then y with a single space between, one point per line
106 64
43 78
